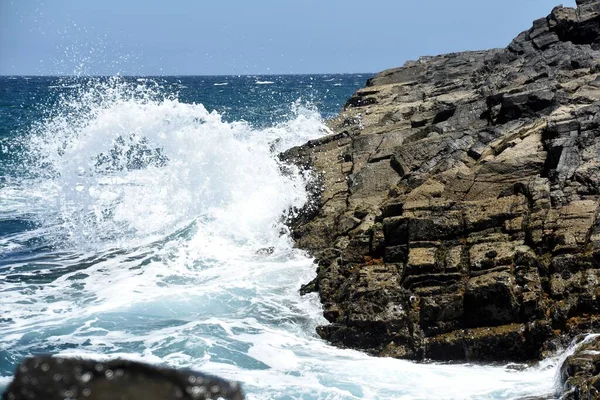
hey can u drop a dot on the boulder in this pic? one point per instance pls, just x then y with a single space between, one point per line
56 378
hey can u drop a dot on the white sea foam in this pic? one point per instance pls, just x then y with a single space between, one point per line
168 247
63 86
4 381
221 84
264 82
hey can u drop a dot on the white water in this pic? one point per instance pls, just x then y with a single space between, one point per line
159 256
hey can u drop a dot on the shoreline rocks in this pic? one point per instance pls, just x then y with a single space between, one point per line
455 206
580 372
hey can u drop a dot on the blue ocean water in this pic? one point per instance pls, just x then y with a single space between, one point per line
142 218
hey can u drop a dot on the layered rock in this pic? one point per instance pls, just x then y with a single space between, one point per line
55 378
455 210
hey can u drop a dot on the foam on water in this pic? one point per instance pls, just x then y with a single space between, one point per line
162 240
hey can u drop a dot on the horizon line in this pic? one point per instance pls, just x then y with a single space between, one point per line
177 75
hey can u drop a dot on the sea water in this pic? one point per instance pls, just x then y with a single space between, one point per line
143 218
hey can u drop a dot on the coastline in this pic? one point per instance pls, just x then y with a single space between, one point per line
455 205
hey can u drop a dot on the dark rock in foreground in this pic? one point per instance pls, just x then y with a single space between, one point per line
580 373
53 378
458 212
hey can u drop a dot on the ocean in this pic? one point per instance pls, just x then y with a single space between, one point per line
143 217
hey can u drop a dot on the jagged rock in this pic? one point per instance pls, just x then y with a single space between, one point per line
55 378
457 216
580 372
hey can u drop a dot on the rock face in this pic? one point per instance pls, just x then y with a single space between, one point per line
50 378
455 215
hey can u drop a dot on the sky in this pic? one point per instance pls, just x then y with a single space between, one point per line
222 37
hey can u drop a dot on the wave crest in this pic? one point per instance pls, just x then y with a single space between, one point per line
118 161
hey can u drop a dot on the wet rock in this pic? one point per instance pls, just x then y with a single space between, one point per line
55 378
457 216
580 372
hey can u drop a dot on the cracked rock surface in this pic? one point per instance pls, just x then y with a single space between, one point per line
455 212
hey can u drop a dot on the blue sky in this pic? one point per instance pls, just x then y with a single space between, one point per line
199 37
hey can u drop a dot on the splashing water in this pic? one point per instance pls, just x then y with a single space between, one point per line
155 233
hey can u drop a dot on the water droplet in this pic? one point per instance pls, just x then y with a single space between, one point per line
86 377
195 390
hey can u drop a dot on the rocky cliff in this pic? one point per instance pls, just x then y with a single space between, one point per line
455 212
